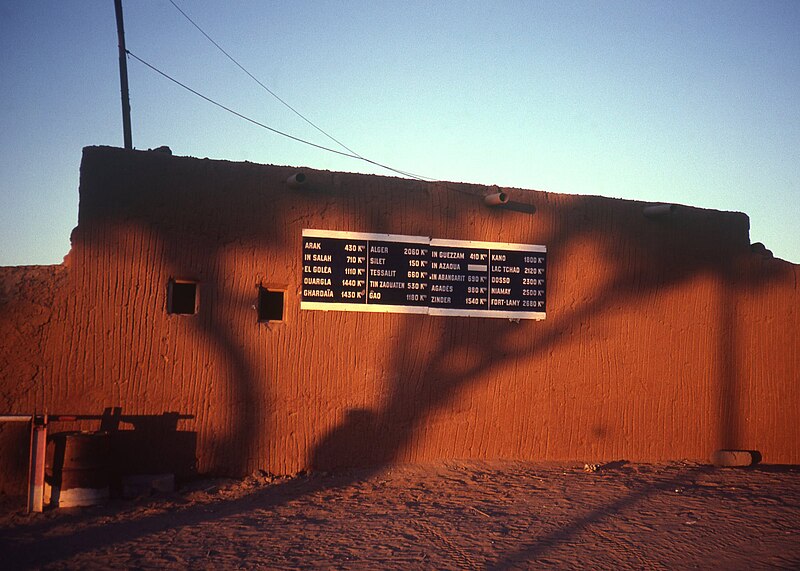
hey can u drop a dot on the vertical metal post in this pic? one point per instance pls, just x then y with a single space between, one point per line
36 470
123 77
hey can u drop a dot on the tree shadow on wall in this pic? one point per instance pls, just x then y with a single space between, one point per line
161 217
645 257
428 379
154 217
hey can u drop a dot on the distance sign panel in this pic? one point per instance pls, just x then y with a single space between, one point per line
355 271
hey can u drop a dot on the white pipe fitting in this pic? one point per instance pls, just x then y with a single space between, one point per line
496 199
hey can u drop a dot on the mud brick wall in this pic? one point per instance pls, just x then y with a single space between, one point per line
664 339
30 297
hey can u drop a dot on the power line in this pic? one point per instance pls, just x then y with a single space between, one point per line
276 131
267 89
295 111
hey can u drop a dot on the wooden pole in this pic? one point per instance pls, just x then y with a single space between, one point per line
123 77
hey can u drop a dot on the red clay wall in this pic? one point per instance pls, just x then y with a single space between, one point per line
30 297
664 339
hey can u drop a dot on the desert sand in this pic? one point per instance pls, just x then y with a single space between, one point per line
453 515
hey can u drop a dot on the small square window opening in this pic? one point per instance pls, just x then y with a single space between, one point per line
270 304
182 297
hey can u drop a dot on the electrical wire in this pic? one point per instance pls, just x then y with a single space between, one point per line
276 131
267 89
351 152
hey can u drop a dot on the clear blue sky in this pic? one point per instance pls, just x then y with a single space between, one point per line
695 103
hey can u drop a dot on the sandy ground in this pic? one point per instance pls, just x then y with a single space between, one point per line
456 515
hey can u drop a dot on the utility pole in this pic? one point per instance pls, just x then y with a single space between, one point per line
123 77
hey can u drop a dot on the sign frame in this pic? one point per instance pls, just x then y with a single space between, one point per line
374 270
